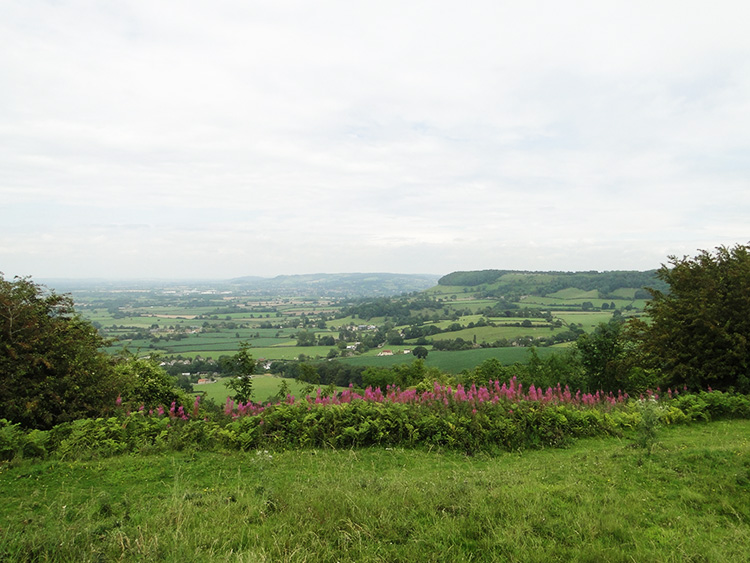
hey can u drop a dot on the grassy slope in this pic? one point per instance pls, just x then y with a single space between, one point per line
600 500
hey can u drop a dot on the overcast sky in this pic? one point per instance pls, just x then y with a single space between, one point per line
218 139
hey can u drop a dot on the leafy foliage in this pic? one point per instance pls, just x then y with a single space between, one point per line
471 278
51 368
609 357
701 327
420 352
146 383
244 366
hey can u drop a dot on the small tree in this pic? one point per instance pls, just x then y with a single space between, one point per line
145 382
611 360
420 352
243 368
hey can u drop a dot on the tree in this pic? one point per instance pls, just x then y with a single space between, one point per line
243 367
308 374
611 359
145 382
51 366
700 330
420 352
305 338
394 338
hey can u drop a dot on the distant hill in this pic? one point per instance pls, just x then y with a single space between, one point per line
339 285
514 282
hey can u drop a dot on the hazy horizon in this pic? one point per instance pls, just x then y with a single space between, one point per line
214 141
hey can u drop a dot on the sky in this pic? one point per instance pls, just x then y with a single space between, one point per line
163 139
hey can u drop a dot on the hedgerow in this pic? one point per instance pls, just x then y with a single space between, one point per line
485 419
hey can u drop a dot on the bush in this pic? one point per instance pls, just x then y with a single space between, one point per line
50 360
14 442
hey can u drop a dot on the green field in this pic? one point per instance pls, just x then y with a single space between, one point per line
213 325
264 386
455 362
443 290
589 319
598 500
491 333
574 293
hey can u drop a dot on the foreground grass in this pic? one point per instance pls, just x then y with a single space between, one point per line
600 500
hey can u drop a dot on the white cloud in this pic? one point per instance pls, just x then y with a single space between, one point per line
288 137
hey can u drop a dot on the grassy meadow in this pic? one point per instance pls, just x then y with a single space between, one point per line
264 386
600 500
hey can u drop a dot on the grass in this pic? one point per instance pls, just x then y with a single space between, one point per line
264 386
454 362
600 500
491 333
575 293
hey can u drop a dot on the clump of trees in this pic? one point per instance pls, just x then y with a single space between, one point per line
699 334
53 368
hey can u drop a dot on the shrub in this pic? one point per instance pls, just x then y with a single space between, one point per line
52 366
14 442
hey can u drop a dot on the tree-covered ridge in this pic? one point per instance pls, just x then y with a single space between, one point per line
499 282
472 278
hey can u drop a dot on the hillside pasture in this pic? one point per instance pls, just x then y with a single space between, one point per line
625 292
442 290
466 319
589 319
574 293
490 334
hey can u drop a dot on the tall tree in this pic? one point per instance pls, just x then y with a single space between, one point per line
701 327
51 366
